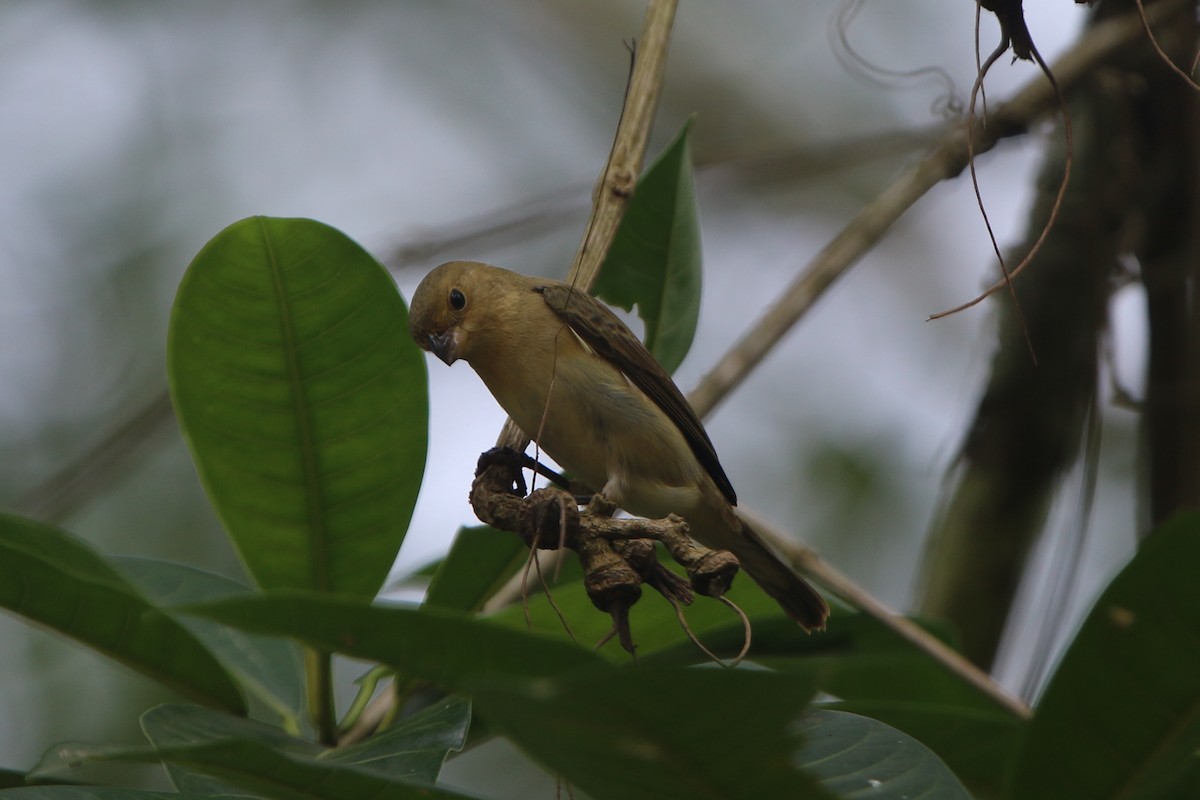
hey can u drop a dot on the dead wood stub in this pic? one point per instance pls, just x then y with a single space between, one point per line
617 555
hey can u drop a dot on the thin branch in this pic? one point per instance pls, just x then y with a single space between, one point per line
518 221
100 466
1010 276
619 176
947 160
514 223
1141 9
810 565
977 90
611 195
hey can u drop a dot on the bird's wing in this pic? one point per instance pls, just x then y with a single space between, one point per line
611 339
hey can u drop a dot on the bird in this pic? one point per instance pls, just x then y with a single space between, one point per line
576 380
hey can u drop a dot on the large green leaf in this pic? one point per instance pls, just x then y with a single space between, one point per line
269 669
876 673
10 778
280 775
857 757
303 401
412 750
480 562
212 754
660 733
977 744
92 793
654 261
868 667
449 649
1121 715
51 578
183 726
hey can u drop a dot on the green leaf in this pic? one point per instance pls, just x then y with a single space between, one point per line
178 726
240 767
280 775
480 561
1121 715
857 757
977 744
49 577
213 754
415 747
92 793
876 673
654 261
271 670
446 648
412 750
872 670
303 401
661 733
11 777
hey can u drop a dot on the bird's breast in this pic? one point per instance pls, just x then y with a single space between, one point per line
598 426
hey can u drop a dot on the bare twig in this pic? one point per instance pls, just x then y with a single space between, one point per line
1141 9
518 221
613 188
1010 276
977 91
100 466
809 564
947 160
619 176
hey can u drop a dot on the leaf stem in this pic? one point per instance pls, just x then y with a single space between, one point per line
318 667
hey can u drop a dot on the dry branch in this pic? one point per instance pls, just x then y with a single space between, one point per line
617 555
947 160
615 186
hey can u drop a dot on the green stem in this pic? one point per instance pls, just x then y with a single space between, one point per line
366 689
318 667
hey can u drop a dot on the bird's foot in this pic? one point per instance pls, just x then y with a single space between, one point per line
516 461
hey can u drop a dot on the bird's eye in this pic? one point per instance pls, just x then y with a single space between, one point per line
458 300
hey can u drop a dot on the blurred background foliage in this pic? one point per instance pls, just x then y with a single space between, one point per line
133 131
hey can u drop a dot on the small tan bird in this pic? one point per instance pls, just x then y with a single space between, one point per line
577 381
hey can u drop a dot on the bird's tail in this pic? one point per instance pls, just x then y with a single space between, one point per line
778 579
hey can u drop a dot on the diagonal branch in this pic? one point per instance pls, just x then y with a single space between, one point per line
616 183
519 220
947 160
72 485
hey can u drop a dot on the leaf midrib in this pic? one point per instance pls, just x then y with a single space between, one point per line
317 530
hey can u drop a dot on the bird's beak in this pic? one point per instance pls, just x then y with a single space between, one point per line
446 344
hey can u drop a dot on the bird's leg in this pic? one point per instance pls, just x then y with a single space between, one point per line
506 457
516 461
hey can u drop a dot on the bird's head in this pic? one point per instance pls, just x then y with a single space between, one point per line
469 310
441 309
